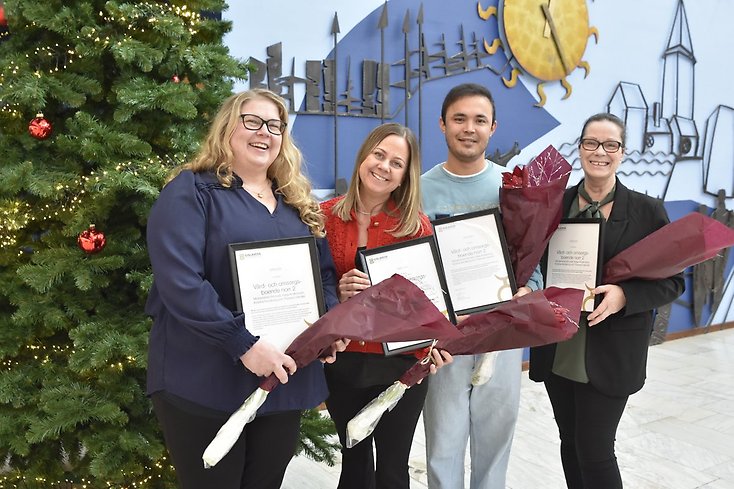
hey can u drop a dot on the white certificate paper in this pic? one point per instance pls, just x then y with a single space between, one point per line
574 254
475 260
278 286
415 260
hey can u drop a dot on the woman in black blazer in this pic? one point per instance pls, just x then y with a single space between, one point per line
590 376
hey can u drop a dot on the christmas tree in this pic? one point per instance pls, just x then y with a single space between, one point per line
99 100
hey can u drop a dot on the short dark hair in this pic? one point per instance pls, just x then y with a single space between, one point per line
605 116
467 90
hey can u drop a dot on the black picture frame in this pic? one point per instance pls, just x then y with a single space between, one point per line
274 282
473 248
574 257
412 259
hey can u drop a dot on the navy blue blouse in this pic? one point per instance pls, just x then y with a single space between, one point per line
198 336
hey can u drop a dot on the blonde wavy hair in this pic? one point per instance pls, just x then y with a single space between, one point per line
407 197
215 155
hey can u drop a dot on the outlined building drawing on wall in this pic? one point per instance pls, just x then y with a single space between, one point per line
665 158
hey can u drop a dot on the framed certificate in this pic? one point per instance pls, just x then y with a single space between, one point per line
475 260
277 285
575 257
417 260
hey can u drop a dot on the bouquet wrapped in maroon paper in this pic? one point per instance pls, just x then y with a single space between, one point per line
365 421
393 310
531 199
539 318
692 239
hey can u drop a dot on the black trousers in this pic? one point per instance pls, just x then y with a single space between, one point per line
587 422
392 437
257 460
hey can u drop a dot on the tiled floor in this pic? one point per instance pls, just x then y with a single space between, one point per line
677 433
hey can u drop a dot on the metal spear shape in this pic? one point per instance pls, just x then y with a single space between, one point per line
334 31
421 67
382 25
406 49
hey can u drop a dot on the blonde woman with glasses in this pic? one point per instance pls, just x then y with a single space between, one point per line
244 185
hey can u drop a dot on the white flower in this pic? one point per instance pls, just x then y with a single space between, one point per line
230 431
364 423
484 369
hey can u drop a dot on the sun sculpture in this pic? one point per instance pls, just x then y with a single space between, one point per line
545 38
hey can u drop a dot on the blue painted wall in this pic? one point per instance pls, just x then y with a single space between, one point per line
684 157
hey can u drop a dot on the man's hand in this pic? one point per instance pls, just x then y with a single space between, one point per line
524 290
439 358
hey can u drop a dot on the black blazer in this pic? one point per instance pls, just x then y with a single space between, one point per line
616 348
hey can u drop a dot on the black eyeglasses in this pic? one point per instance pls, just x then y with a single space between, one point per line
593 144
253 122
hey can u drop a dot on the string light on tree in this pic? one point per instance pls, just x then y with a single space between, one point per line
60 57
17 214
76 339
135 15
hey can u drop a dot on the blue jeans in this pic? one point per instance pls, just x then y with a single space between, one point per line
456 412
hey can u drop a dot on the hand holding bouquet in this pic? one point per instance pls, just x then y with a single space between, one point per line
393 310
531 201
541 317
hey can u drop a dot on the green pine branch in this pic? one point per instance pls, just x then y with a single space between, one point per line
73 334
318 437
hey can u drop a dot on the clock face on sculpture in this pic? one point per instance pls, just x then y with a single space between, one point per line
544 38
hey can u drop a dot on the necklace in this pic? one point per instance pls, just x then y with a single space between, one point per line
259 193
372 213
374 210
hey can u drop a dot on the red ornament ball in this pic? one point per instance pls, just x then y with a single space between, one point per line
91 240
40 127
3 19
175 79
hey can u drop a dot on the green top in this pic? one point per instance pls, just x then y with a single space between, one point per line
570 359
